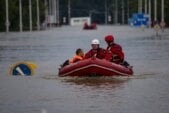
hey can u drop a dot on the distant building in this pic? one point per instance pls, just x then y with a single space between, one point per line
79 21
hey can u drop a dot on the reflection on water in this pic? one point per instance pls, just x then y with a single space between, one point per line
46 92
95 81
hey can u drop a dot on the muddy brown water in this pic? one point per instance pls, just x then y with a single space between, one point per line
145 92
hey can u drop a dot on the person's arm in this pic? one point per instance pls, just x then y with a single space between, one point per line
108 55
87 55
119 52
71 60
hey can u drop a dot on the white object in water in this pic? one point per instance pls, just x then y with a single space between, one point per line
20 71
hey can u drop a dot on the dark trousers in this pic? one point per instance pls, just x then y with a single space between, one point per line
125 63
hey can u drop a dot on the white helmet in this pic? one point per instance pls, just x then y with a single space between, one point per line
95 41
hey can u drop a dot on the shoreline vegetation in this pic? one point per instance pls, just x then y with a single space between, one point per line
79 8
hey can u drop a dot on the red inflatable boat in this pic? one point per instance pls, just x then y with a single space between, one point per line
89 27
94 66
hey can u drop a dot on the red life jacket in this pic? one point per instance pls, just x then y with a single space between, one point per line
98 53
114 53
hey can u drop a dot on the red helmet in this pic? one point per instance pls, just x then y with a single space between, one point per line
109 38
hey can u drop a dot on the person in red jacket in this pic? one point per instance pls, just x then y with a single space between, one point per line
114 51
96 51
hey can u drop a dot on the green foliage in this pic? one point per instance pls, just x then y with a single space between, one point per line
78 8
14 14
2 15
166 12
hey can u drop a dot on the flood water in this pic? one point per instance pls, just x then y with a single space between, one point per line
147 91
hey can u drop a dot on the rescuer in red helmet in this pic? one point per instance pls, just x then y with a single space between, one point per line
114 51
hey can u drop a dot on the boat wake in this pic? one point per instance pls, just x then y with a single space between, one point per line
101 79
